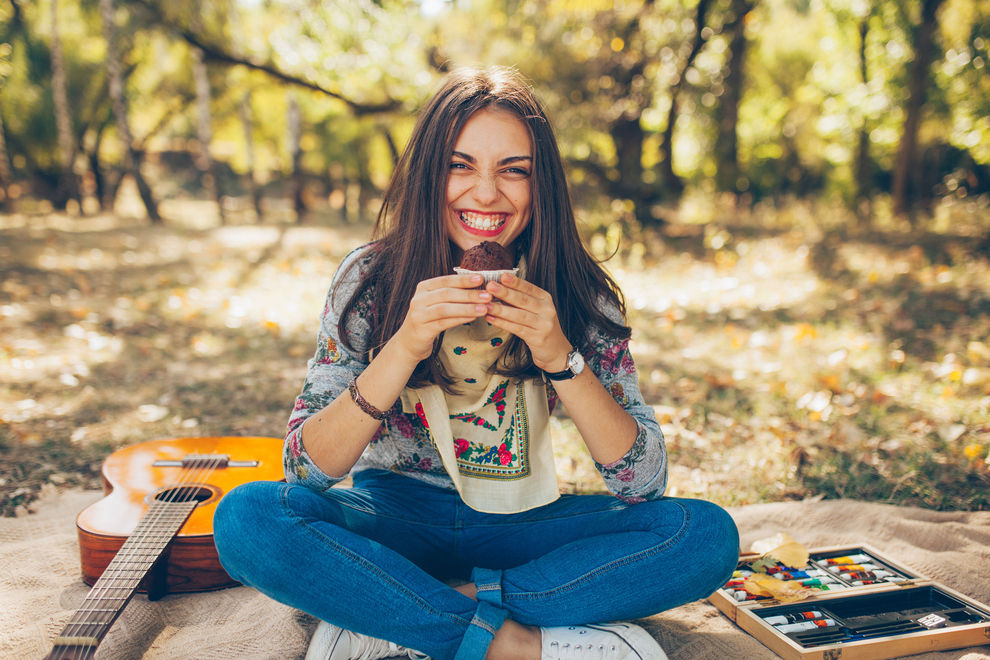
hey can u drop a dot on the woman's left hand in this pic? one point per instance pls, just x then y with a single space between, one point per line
528 312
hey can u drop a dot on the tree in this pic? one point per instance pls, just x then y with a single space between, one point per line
728 175
204 131
5 171
907 153
670 181
248 123
294 137
132 159
68 188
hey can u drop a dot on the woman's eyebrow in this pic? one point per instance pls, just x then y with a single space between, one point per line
505 161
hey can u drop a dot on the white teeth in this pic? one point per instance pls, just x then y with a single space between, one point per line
482 221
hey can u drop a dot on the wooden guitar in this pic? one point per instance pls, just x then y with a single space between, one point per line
153 532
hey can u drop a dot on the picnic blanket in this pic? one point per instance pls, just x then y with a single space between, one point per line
40 586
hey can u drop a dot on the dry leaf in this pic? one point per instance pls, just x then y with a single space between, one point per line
786 591
782 548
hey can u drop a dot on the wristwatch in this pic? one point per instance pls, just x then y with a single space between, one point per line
575 365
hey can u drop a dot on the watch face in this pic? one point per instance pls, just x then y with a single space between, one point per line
575 362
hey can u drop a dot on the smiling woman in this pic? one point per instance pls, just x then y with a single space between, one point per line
434 391
488 191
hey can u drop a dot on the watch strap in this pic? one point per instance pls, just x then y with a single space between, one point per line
566 374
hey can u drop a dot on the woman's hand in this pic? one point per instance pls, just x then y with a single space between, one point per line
528 312
438 304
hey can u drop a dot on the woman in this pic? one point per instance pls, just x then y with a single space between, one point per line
433 392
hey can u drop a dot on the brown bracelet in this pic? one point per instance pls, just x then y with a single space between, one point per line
363 404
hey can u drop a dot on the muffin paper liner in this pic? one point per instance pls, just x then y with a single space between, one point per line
488 275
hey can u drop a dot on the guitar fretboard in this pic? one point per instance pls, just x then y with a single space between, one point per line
120 580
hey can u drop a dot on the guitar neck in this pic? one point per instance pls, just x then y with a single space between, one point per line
112 591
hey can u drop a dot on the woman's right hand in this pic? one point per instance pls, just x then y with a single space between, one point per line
438 304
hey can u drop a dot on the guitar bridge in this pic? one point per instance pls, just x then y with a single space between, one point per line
204 461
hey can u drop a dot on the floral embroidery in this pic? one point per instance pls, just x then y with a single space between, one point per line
415 463
401 423
459 350
618 393
331 353
496 341
295 446
552 396
421 414
497 397
460 446
471 380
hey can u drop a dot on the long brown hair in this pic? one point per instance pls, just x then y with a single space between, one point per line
411 243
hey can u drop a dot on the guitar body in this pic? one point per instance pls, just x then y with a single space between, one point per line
131 480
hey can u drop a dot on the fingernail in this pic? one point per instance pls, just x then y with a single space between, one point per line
476 278
481 309
485 295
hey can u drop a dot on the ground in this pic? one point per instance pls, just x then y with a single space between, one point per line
787 357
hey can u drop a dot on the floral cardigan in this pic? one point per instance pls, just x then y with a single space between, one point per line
403 444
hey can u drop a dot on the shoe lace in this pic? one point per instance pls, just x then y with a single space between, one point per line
371 648
585 651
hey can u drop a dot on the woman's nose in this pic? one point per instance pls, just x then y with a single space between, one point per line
486 188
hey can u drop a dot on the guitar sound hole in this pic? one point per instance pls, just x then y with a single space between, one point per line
184 494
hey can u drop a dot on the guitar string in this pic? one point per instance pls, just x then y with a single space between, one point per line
106 580
181 489
178 490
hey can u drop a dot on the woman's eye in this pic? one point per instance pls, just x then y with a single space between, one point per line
518 171
458 166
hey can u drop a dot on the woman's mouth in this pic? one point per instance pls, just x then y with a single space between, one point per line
483 224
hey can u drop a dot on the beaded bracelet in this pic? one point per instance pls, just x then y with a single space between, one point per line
363 404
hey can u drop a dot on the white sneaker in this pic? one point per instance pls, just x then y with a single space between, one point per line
601 641
332 642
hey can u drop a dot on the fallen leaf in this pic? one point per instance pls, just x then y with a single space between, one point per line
782 548
786 591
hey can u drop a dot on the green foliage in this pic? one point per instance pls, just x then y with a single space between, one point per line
819 77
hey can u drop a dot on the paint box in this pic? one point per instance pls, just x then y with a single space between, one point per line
900 613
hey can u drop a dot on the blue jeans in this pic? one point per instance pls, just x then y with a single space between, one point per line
374 558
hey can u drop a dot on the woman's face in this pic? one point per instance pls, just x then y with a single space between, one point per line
488 190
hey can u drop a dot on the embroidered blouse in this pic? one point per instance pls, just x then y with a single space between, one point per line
402 444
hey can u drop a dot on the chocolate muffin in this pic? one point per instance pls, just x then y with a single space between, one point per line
487 255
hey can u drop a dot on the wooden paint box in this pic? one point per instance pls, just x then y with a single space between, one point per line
873 609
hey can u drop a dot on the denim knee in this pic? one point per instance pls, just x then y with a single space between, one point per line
234 525
717 534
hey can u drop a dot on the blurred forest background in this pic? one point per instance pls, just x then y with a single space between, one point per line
794 195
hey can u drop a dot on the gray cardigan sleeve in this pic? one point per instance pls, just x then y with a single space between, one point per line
329 372
641 474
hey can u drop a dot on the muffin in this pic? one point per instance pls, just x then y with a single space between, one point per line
487 258
486 255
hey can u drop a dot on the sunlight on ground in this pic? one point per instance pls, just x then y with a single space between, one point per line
779 365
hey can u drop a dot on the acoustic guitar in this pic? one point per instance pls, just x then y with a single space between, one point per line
153 532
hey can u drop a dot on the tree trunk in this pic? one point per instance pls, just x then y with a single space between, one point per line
863 168
727 178
5 171
68 186
132 159
204 133
247 122
670 181
294 120
905 166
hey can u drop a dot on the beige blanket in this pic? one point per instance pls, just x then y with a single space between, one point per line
40 586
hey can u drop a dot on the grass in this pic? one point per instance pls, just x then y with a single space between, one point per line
786 356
